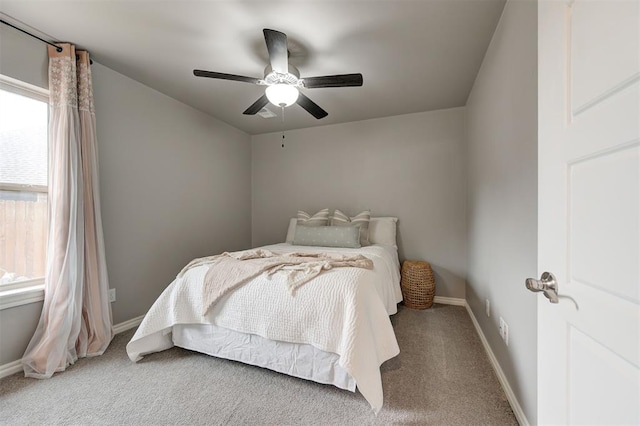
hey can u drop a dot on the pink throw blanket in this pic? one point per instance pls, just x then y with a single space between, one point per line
229 271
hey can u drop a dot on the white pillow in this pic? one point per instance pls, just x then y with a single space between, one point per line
382 230
291 231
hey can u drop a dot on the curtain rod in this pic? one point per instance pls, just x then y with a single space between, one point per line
58 48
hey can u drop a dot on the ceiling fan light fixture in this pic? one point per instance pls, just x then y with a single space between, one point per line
282 94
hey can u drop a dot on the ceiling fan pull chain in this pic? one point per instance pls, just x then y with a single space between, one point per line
282 108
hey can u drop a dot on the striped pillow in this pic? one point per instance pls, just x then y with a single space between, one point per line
319 219
361 220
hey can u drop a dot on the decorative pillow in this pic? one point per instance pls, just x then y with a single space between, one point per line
382 230
361 221
319 219
327 236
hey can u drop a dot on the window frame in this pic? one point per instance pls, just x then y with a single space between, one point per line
27 291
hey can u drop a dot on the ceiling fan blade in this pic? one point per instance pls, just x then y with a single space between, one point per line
277 47
223 76
342 80
311 107
257 106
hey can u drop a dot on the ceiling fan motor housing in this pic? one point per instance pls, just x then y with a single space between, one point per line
291 78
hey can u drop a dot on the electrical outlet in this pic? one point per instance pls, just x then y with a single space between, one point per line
487 307
504 331
112 295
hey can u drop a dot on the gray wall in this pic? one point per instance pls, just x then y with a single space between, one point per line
22 57
17 325
502 196
409 166
175 184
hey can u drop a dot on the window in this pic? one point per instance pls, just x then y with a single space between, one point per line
23 185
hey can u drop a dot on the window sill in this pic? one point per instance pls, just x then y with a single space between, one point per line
21 296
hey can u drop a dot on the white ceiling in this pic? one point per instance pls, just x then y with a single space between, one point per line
416 55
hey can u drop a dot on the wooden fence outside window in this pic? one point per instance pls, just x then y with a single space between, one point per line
23 234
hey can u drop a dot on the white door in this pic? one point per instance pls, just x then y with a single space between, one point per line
589 215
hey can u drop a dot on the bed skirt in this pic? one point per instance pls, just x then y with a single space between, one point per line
298 360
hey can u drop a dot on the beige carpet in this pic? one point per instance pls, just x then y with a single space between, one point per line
442 376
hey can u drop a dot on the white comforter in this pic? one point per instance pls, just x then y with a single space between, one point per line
344 311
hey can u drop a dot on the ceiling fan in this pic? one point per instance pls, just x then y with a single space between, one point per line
283 79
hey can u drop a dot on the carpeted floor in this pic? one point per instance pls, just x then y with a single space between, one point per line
442 376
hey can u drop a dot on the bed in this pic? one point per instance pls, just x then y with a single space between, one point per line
335 329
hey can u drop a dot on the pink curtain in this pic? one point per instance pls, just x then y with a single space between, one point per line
76 316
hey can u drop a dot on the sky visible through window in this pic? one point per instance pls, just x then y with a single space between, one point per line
23 139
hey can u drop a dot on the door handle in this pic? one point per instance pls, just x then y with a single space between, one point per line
547 284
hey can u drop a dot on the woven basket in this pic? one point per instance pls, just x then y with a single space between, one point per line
418 285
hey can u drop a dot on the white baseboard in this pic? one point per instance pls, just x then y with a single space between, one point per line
511 397
10 368
16 366
127 325
449 301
